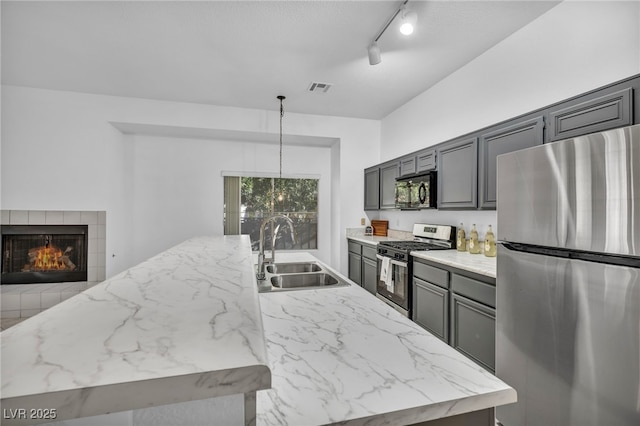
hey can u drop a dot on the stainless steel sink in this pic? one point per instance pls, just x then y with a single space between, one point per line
293 268
303 280
285 276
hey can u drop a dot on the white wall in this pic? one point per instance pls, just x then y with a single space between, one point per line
181 178
573 48
60 152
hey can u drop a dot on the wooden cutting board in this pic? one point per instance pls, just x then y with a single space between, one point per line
380 227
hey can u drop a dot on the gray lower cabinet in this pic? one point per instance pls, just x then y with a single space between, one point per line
458 174
369 274
431 308
388 174
355 262
363 265
473 330
501 140
458 307
372 188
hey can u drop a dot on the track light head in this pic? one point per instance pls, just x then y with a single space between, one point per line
374 54
408 23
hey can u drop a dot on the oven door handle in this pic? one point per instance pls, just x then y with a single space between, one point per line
393 261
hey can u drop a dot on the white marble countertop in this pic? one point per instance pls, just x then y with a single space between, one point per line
371 240
478 263
183 325
343 356
189 324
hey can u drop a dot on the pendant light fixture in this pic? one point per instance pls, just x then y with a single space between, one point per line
281 193
409 20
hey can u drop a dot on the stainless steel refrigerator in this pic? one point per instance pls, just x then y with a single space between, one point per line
568 281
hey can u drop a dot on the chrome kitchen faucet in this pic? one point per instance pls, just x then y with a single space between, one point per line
260 275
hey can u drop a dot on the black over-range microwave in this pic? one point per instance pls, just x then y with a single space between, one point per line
416 192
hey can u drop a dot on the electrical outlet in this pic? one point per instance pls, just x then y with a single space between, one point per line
362 221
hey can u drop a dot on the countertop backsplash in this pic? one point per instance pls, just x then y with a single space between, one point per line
402 221
391 233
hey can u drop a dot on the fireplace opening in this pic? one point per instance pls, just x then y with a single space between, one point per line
43 253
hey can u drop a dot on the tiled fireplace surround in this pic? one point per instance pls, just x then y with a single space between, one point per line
25 300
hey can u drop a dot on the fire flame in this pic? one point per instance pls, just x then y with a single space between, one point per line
48 258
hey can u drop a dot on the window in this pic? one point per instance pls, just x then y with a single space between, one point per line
248 200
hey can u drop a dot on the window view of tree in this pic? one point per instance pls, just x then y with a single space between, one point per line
295 198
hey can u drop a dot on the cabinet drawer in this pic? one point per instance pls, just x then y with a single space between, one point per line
369 252
431 274
355 248
474 289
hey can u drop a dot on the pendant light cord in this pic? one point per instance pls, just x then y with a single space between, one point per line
281 116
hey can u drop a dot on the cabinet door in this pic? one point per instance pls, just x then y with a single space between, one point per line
511 138
355 268
431 308
388 175
473 330
603 112
372 189
369 274
426 161
458 175
408 166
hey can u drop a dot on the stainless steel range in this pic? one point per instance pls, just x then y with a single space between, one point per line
395 266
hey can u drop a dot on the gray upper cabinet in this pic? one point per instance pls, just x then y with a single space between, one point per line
466 165
458 174
408 165
426 160
372 188
388 175
597 113
501 140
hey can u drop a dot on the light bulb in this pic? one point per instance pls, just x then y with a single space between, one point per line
406 28
280 197
409 21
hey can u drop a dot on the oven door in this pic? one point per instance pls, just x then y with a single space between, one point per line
395 289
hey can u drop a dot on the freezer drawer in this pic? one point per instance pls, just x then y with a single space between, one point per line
568 340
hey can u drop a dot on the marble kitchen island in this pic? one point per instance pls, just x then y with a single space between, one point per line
188 327
341 356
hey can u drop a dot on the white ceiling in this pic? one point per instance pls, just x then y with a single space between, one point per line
245 53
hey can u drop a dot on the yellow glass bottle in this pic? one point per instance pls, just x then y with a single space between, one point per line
461 242
489 243
474 246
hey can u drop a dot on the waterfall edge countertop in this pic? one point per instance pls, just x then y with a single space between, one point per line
149 336
342 356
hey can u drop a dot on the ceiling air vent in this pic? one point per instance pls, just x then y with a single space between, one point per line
317 87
